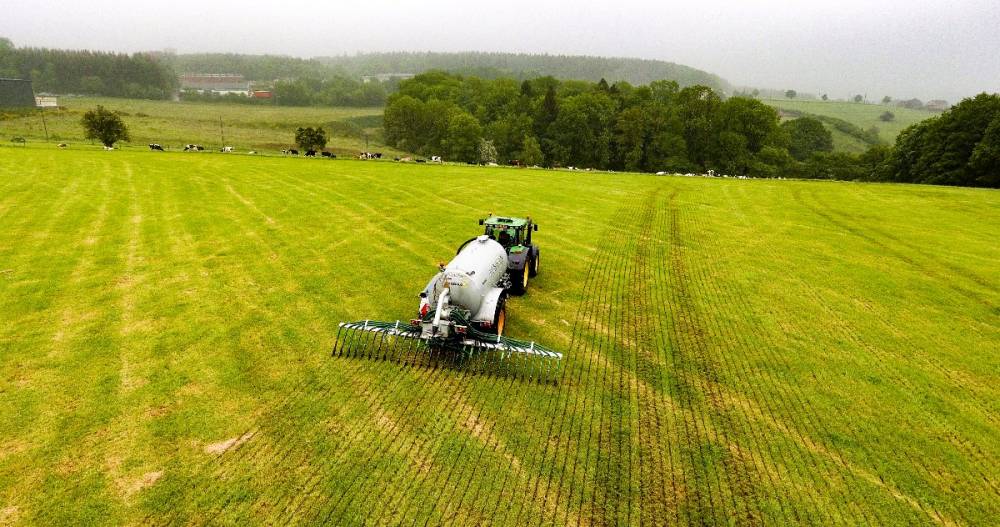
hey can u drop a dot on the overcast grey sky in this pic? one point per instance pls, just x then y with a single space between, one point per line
903 48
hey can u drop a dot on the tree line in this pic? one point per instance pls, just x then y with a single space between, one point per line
138 76
544 121
663 127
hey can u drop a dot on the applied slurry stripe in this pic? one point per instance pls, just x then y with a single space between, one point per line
713 290
598 347
445 487
654 331
355 379
421 440
665 328
740 483
638 337
401 433
793 414
756 436
740 336
455 386
699 488
572 384
736 339
424 373
687 380
411 441
272 497
588 326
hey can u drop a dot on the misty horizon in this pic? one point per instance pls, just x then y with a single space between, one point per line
929 50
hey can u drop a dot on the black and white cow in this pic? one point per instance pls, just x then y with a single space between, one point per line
310 153
327 154
226 149
155 146
193 148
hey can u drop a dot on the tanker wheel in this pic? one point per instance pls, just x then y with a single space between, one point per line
534 265
500 318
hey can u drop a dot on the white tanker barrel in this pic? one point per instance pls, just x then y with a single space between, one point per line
477 269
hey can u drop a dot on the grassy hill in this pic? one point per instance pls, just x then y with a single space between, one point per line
736 351
488 65
174 124
864 116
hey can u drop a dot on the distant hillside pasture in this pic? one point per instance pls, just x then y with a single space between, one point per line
173 124
863 116
526 66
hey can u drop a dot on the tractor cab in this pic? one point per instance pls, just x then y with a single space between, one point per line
514 234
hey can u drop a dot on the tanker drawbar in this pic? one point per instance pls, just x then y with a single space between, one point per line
462 312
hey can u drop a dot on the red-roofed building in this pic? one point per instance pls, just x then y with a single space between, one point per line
261 94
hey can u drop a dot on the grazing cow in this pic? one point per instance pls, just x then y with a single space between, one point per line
226 149
310 153
435 159
421 160
155 146
515 163
293 152
252 152
193 148
62 145
326 154
108 148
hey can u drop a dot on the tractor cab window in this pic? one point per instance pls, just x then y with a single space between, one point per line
505 239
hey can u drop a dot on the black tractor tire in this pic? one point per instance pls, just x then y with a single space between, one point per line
534 265
519 279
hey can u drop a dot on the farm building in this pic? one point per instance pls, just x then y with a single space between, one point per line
46 101
218 83
261 94
937 105
16 93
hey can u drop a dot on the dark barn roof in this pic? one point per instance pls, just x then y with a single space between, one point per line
16 93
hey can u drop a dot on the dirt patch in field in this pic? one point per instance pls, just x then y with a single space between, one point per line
9 514
145 481
223 446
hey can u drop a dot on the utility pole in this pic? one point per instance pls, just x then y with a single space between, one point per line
222 132
45 127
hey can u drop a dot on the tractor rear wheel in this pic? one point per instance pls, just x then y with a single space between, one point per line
534 265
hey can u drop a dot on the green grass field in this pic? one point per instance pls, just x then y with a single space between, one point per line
749 352
863 116
174 124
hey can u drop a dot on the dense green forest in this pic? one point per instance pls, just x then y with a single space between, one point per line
663 127
138 75
617 126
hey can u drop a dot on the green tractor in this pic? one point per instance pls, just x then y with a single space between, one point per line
514 234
